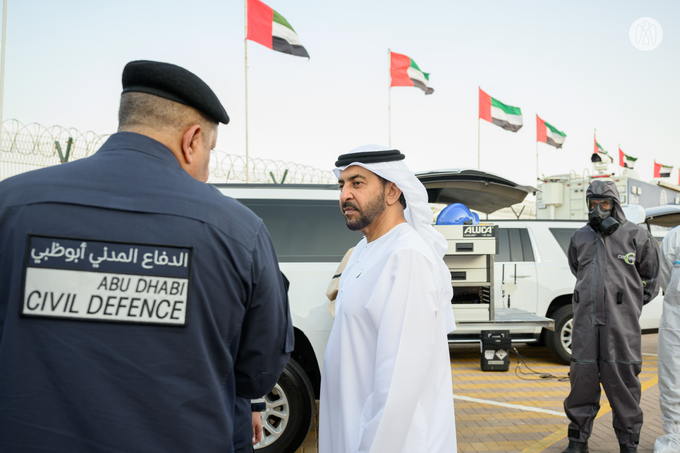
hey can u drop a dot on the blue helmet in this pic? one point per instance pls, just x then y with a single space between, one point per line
457 214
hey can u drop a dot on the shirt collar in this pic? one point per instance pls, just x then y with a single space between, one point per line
132 141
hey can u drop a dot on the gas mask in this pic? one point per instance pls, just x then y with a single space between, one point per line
600 219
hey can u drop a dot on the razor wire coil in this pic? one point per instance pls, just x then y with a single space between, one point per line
25 147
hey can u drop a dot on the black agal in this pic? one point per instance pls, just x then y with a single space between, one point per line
370 157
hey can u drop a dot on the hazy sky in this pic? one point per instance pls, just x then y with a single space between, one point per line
572 63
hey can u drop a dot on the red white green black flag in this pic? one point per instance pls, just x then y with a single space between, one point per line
494 111
546 133
272 30
662 171
404 72
598 148
625 160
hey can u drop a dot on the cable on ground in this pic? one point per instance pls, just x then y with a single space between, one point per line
536 376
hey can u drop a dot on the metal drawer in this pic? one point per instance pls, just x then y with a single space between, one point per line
466 261
472 247
469 275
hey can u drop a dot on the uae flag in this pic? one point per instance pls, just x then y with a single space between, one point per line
404 72
662 171
546 133
625 160
271 29
494 111
598 148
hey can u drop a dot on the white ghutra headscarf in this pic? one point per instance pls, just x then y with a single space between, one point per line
417 213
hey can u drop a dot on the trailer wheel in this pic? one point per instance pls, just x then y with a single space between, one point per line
559 340
289 413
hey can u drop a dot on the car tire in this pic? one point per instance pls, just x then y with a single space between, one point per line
290 410
559 340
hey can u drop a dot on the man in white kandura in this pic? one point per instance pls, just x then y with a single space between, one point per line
386 379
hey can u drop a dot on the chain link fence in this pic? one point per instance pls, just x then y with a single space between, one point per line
25 147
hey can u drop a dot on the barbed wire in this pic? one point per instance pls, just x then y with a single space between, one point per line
26 147
231 168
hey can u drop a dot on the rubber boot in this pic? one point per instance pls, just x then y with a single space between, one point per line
577 447
628 448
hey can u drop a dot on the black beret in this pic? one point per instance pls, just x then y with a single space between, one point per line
370 157
172 82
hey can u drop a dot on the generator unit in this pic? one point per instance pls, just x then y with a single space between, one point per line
496 345
470 259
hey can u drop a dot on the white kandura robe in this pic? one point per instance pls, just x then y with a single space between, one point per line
386 379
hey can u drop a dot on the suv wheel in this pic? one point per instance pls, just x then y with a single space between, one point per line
559 340
289 413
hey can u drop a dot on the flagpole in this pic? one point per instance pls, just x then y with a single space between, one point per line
595 149
389 98
246 64
479 167
537 178
537 173
2 64
478 156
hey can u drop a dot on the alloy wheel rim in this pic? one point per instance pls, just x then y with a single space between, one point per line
274 417
566 335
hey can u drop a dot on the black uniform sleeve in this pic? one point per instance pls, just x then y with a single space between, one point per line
267 337
572 256
647 264
243 426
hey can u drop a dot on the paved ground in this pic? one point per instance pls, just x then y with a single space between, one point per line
512 412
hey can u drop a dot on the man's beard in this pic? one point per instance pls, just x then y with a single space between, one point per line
367 215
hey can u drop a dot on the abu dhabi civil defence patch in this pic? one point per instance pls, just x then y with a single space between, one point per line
97 280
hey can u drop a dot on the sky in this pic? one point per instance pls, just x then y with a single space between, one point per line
572 63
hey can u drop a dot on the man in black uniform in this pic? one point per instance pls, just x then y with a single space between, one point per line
616 264
136 301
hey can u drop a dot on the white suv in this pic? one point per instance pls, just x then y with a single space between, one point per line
310 238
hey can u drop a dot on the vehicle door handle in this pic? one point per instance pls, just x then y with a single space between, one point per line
520 276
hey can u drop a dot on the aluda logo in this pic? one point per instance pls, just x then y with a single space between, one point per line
478 230
629 258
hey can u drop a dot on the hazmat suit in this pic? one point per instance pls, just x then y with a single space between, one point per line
669 345
616 274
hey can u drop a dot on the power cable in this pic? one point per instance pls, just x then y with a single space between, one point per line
541 376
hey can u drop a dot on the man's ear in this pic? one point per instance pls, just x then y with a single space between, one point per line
392 194
191 143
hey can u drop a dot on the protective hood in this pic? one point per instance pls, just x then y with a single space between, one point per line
602 189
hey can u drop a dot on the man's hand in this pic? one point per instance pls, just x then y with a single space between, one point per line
257 427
